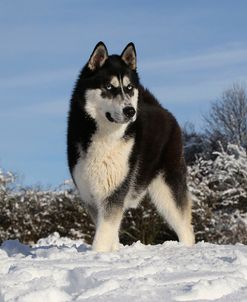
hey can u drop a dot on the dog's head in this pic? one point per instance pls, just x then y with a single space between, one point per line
112 85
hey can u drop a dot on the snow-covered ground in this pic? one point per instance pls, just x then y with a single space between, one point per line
59 269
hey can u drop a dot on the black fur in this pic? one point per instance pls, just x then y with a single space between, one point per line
158 143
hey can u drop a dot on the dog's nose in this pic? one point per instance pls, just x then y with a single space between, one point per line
129 111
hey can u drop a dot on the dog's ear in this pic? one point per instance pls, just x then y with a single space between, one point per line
129 55
98 56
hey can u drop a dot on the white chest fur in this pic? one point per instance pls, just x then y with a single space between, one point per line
102 169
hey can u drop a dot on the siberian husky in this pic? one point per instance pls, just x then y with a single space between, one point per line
123 145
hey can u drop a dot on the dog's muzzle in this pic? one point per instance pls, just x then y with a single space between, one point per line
127 115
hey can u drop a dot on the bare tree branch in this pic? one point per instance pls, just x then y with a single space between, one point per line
227 118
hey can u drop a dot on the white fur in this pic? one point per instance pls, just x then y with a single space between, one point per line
102 169
115 82
98 173
97 107
104 166
133 199
106 237
180 221
126 81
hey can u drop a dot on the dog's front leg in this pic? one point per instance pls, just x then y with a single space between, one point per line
107 228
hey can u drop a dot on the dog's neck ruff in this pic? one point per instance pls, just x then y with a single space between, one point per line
110 130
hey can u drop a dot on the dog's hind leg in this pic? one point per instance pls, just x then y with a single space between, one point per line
179 218
107 228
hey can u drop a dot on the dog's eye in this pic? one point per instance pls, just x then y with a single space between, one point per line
129 87
108 87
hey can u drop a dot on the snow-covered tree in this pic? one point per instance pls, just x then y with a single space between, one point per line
219 188
6 178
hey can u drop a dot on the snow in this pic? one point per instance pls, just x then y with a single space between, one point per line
59 269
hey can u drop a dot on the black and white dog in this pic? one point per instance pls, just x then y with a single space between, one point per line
123 145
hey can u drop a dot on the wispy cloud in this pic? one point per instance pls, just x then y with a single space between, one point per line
57 107
199 92
210 59
38 78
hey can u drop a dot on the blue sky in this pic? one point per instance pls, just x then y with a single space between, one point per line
188 53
